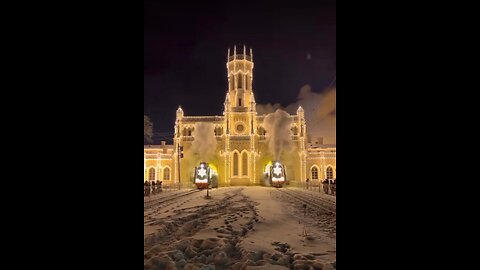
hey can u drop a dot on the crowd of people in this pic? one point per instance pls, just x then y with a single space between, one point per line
152 188
329 186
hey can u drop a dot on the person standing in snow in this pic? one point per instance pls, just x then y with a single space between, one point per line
333 186
154 188
325 186
147 188
159 186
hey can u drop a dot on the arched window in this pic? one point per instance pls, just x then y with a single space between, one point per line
235 164
329 173
314 173
245 163
166 173
240 79
151 174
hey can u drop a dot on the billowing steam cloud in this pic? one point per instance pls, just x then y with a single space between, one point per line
204 143
278 134
320 112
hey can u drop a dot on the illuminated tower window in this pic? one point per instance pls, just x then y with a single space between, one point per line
151 174
314 173
235 164
329 173
239 76
245 163
240 102
166 174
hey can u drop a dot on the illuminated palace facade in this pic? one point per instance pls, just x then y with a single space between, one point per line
242 154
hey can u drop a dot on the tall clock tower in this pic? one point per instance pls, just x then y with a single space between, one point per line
240 118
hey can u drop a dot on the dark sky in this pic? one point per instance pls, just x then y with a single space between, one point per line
185 50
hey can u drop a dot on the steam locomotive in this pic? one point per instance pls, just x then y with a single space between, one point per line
278 176
205 176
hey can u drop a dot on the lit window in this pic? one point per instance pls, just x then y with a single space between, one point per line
314 173
151 174
239 76
329 173
235 164
244 163
166 174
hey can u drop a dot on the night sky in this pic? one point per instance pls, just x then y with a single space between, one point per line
185 51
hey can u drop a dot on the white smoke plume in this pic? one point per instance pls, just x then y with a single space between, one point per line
204 144
320 112
278 134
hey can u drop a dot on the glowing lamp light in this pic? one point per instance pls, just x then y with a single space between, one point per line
277 164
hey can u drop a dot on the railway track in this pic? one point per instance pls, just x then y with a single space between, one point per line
316 197
326 206
198 215
164 199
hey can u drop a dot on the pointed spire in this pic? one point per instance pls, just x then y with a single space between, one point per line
234 58
179 112
244 51
252 98
227 103
251 54
300 113
228 54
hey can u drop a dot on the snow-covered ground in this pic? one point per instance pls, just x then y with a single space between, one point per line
240 228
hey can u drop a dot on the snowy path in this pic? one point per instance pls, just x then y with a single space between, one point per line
240 228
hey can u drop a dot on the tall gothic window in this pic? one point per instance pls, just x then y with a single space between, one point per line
314 173
151 174
245 163
235 164
166 174
240 77
329 173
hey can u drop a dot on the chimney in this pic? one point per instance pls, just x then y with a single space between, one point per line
163 143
